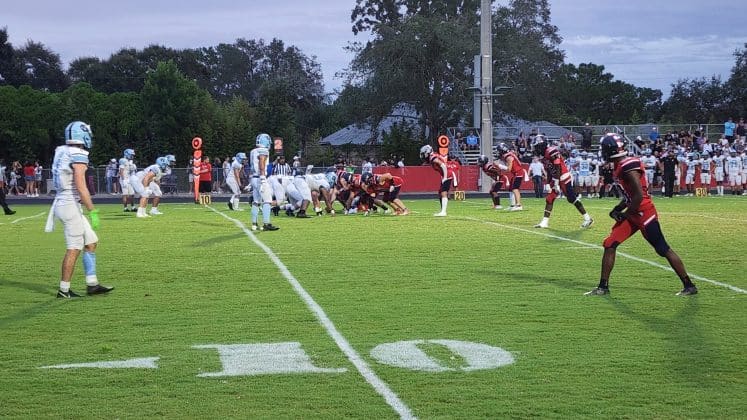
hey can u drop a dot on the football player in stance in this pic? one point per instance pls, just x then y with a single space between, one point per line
233 180
560 181
320 187
389 185
517 173
635 212
438 163
141 182
261 190
127 168
495 171
69 175
155 184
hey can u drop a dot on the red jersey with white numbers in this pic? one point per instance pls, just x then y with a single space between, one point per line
633 164
555 165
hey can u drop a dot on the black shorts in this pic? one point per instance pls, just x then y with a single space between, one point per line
205 186
390 196
445 186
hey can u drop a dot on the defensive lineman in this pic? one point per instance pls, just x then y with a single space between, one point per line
261 191
233 179
69 175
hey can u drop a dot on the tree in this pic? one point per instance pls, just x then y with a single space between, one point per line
696 100
10 73
736 86
41 68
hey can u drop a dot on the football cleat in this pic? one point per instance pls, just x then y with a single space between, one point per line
498 207
440 214
587 223
155 211
516 208
98 289
542 225
269 226
687 291
255 227
9 212
598 291
230 205
67 295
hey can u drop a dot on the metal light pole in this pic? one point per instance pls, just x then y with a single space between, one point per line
486 87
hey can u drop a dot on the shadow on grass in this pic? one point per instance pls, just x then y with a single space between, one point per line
218 239
692 355
30 311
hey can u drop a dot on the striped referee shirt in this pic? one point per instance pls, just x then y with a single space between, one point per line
282 170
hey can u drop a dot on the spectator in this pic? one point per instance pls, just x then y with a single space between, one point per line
459 140
723 142
473 142
217 179
16 169
37 177
29 175
729 127
296 165
401 162
367 166
3 178
586 137
538 174
522 146
111 177
741 131
4 205
654 134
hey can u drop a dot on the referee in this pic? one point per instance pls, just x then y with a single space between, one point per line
280 167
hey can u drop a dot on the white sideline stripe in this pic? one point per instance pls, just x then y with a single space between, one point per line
368 374
30 217
634 258
676 213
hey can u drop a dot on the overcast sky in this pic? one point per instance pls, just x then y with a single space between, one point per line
649 43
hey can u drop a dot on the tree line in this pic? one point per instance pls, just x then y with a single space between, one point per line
420 53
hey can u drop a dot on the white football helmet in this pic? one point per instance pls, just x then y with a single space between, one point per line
426 151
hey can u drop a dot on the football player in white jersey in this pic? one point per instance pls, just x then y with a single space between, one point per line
649 164
690 164
743 156
718 172
233 180
319 186
142 180
261 190
706 171
734 171
155 184
69 177
126 169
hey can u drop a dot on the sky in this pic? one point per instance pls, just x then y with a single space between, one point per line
649 43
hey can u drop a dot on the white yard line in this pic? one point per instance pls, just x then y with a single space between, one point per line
540 232
365 370
30 217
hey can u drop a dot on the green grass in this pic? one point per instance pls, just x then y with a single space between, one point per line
192 277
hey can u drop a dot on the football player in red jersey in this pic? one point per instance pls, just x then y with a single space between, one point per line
635 212
439 164
517 173
389 185
495 171
560 182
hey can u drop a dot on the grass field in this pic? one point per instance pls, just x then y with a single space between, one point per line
321 294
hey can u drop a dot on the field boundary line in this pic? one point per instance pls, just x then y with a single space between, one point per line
29 217
381 387
623 254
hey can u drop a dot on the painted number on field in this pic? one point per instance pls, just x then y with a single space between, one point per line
263 359
407 354
286 358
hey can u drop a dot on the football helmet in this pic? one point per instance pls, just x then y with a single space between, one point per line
539 146
482 160
366 178
584 154
331 178
613 146
426 151
502 148
162 163
263 140
647 152
129 153
78 132
240 157
171 159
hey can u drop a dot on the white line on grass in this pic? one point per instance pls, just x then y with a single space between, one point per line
30 217
632 257
368 374
675 213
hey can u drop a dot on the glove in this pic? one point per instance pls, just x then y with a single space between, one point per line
391 189
556 187
618 215
95 221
